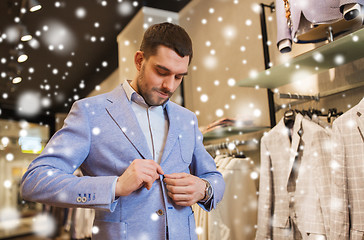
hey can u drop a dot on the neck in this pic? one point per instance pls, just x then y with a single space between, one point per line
134 85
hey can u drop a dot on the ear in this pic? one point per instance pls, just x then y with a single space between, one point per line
138 60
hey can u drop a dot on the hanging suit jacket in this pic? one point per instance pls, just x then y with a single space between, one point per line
348 175
236 215
202 217
316 12
101 135
310 143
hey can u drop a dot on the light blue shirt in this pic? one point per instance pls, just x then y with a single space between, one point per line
153 120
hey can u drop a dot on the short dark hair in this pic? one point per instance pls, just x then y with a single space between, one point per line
169 35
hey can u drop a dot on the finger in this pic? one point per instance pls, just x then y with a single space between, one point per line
148 182
148 185
151 173
151 170
177 189
176 175
180 197
151 164
159 169
179 181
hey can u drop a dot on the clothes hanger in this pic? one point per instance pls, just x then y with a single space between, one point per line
333 113
289 117
239 154
235 153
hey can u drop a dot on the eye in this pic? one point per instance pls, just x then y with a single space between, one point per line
178 77
162 73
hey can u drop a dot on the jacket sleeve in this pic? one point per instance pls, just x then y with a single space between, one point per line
284 39
203 166
49 178
339 215
265 201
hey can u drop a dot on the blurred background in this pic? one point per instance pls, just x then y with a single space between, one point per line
236 85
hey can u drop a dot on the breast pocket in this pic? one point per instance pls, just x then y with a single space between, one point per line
186 149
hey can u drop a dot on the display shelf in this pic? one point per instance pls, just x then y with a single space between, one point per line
230 131
341 51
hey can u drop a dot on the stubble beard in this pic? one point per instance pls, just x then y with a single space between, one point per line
148 95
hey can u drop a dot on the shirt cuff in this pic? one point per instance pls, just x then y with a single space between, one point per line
113 197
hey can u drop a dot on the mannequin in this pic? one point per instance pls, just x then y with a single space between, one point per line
313 21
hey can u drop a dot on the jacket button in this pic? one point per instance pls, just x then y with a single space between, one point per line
160 212
79 199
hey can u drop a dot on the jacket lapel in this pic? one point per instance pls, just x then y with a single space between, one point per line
174 130
119 109
279 142
296 138
360 118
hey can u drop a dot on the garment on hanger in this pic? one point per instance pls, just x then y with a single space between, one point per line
235 216
294 190
201 216
303 16
347 220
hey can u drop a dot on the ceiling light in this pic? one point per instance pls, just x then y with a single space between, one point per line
14 72
19 55
16 80
34 5
25 35
22 57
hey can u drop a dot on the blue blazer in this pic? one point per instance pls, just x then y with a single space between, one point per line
101 135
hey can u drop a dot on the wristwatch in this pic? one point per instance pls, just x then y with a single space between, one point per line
208 191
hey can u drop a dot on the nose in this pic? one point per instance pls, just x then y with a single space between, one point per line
168 83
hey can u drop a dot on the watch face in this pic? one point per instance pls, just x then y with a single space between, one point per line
209 190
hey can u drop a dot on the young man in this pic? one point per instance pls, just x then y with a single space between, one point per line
142 155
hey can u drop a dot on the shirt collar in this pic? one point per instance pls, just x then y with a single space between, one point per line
132 95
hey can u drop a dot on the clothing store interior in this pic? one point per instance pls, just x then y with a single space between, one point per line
277 88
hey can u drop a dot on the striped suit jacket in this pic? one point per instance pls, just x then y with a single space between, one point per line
348 178
310 143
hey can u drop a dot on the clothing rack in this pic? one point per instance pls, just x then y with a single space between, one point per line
289 115
305 98
231 146
299 96
302 99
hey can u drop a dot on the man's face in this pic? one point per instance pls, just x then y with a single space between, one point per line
160 75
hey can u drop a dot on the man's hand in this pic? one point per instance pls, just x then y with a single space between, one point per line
141 172
185 189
